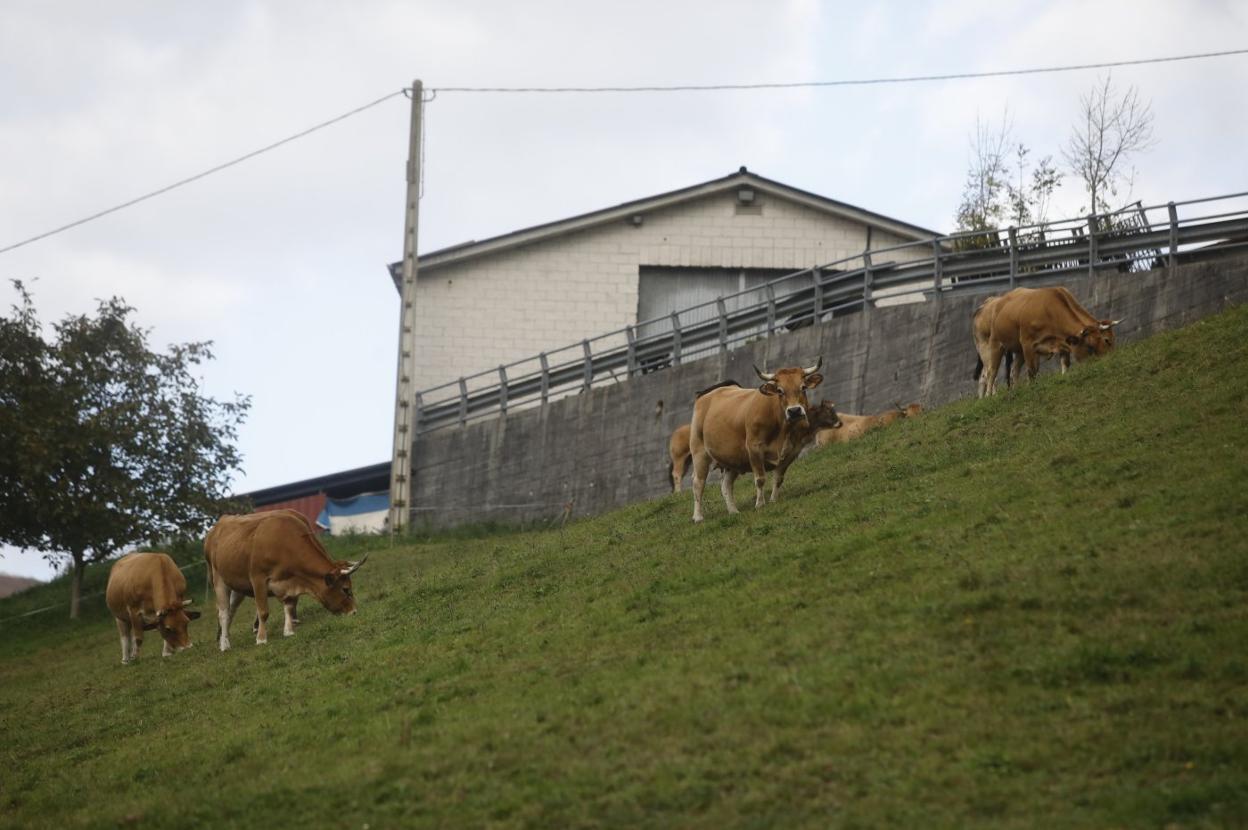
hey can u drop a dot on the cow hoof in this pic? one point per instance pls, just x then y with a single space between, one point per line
697 520
262 642
288 633
225 646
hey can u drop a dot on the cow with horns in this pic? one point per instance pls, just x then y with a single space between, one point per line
755 430
274 553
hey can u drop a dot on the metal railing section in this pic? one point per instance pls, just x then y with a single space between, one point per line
1136 238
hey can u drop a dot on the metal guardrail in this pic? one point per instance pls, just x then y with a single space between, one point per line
1133 239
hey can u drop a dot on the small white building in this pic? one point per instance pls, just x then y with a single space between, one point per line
492 302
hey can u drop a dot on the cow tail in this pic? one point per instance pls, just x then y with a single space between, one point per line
979 368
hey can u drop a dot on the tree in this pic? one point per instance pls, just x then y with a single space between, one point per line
103 442
982 207
1110 131
1028 192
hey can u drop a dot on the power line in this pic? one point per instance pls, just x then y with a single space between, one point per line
853 82
208 172
615 89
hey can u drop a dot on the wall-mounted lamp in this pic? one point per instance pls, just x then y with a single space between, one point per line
636 219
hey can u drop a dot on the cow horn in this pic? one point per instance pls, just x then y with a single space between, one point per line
1109 325
187 602
812 369
767 376
355 566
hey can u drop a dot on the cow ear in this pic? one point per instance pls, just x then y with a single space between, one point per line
1086 331
1072 340
194 615
769 388
331 578
812 381
151 626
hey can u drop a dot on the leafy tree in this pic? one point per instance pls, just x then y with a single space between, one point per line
1111 129
104 442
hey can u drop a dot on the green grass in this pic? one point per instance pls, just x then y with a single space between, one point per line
1028 611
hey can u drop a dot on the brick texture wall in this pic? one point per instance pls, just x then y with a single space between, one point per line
475 315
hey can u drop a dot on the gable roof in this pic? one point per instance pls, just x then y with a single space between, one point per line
525 236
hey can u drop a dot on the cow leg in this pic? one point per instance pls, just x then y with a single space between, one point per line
679 468
167 651
1032 359
123 630
701 466
725 485
777 478
992 365
260 590
224 615
136 635
288 605
1064 360
758 466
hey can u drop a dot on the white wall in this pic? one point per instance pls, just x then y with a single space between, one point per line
474 315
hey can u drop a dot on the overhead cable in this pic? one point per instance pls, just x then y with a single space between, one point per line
904 79
208 172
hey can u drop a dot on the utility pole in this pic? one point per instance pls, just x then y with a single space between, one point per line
404 402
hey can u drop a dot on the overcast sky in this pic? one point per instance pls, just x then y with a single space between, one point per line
281 260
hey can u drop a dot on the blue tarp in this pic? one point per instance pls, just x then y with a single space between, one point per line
356 506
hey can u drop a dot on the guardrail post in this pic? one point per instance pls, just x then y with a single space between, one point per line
1174 236
1091 243
723 324
771 309
632 350
463 402
868 279
1013 233
817 276
502 389
420 411
589 364
545 377
676 336
936 273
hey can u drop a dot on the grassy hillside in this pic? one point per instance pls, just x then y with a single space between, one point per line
1027 611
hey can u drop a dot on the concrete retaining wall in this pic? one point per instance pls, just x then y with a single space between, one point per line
608 447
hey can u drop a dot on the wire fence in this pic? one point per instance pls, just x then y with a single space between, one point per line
1133 239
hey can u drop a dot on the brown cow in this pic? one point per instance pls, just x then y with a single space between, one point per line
678 450
146 592
274 553
755 430
1035 323
855 426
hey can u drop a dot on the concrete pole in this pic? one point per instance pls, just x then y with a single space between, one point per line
401 460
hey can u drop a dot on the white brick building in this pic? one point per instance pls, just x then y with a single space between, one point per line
487 303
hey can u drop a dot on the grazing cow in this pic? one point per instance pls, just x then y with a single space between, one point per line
855 426
274 553
678 450
755 430
146 592
1035 323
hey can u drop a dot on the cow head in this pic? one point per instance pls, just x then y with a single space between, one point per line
338 596
1092 341
172 623
824 416
790 386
